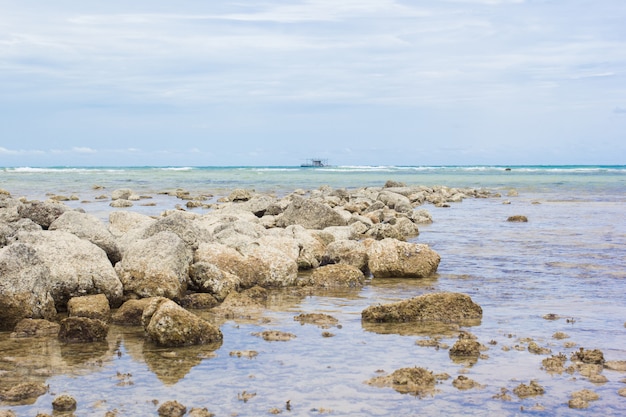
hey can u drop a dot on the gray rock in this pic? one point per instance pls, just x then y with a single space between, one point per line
183 225
24 289
394 258
156 266
42 213
310 214
209 278
121 194
349 252
335 276
76 267
89 227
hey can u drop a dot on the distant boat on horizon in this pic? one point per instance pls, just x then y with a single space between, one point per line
315 163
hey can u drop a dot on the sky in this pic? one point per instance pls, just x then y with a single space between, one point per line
274 82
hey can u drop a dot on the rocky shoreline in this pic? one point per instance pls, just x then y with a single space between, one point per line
66 274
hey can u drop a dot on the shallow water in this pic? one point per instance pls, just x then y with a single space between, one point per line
568 260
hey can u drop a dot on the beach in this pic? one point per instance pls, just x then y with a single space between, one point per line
547 287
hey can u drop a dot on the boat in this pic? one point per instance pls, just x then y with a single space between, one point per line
315 163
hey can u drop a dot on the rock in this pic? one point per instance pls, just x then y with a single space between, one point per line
23 391
238 233
310 214
82 330
615 365
172 409
348 252
416 381
208 277
122 223
9 413
35 328
324 321
91 306
272 268
311 247
199 301
42 213
24 292
8 231
129 313
64 403
533 347
394 200
121 203
121 194
525 391
275 336
382 231
622 392
200 412
182 224
90 228
580 399
76 267
465 346
421 217
594 356
228 260
443 307
464 383
517 218
555 363
156 266
392 184
168 324
335 276
393 258
239 195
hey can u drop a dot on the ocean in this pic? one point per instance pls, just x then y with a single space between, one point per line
562 271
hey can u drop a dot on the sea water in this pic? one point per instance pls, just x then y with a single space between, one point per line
567 262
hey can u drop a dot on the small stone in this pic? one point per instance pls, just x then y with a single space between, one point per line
64 402
517 219
172 409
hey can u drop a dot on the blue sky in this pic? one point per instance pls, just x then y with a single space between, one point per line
274 82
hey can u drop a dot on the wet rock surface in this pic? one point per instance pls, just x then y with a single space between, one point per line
444 307
416 381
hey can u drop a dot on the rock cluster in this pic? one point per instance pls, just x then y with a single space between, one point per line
52 256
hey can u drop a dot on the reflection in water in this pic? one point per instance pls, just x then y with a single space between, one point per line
171 365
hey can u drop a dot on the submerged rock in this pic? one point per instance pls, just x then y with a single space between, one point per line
594 356
416 381
64 403
35 328
444 307
531 390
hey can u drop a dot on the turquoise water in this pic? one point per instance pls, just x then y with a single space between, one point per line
568 260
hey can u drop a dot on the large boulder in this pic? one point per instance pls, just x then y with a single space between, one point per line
207 277
311 247
76 267
168 324
228 260
88 227
42 212
83 330
350 252
310 214
394 258
156 266
272 267
183 225
24 289
8 231
440 307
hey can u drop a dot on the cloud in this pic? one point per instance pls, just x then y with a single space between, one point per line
78 149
